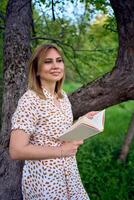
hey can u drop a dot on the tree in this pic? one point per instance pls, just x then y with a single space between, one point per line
16 54
2 26
127 140
112 88
115 86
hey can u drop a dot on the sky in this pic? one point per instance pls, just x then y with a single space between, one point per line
63 9
66 9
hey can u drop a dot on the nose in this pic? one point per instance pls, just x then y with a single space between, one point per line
55 65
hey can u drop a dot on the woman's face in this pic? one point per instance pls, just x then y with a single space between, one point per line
52 69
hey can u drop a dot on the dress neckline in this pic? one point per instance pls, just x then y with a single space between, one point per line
47 93
50 96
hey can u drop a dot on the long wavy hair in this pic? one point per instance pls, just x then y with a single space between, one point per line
34 64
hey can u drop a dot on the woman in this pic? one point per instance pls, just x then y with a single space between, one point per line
43 114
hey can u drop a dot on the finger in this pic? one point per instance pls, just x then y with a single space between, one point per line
89 115
78 142
66 142
74 151
94 113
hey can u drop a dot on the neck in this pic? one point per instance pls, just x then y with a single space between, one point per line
50 86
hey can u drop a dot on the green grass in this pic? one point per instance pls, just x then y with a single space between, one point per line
70 86
104 177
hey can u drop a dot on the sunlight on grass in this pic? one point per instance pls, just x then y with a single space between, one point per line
70 86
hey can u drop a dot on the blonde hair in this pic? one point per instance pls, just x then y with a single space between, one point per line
34 63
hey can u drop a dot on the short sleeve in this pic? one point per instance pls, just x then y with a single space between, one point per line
25 115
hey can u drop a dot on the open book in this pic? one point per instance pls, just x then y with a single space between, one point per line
85 127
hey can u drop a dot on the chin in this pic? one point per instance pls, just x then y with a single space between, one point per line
57 78
54 79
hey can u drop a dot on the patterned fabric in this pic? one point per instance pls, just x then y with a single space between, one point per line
48 179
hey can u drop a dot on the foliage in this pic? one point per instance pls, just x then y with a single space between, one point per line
103 175
89 48
101 45
79 40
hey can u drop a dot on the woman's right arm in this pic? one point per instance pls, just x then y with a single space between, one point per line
21 149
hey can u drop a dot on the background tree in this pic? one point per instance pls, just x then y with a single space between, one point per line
2 28
16 52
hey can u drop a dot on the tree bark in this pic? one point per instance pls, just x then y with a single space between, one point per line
127 141
16 54
118 85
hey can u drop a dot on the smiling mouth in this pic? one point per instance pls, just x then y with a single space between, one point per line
55 73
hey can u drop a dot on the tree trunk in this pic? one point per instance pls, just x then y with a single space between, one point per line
118 85
127 141
16 54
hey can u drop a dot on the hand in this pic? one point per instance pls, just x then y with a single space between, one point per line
70 148
91 114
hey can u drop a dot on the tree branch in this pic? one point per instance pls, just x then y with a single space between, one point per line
53 10
57 40
73 63
127 141
92 50
45 38
43 14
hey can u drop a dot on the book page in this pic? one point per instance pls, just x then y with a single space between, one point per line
85 127
97 121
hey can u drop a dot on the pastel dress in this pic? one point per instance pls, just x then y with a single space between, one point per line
47 179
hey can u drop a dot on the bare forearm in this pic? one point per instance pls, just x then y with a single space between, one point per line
34 152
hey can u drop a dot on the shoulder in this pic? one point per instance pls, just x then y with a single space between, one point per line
29 94
29 97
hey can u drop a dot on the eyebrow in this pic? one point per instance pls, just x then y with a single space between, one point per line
52 58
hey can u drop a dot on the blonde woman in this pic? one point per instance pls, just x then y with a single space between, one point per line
43 114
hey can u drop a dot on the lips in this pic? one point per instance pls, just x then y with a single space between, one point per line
55 73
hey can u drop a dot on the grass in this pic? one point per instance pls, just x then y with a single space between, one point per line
103 175
70 86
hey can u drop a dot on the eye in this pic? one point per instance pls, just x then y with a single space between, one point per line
47 61
60 60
